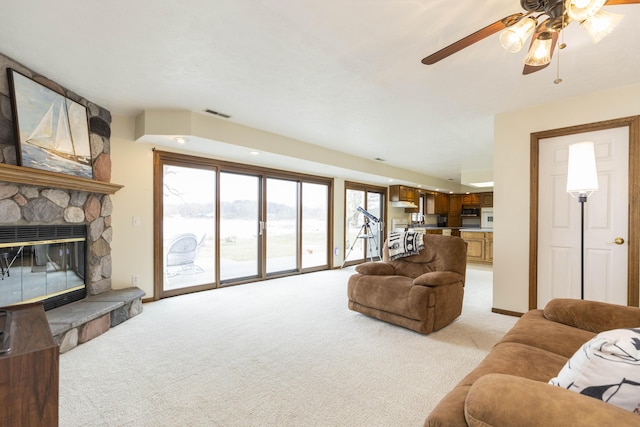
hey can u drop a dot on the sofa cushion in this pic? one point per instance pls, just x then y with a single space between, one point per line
513 359
520 360
607 368
505 400
535 330
594 316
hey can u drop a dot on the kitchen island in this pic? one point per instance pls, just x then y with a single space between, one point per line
479 240
479 244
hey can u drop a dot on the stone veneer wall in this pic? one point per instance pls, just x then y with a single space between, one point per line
24 204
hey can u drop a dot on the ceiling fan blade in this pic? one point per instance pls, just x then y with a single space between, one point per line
614 2
528 69
472 38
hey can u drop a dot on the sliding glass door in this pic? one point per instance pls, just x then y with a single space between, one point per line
240 226
188 228
364 234
221 223
315 225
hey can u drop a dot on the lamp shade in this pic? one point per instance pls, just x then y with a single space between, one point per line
540 51
513 37
601 24
579 10
582 176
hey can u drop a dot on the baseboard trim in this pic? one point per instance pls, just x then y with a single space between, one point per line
506 312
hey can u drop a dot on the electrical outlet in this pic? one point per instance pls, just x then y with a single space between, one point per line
135 280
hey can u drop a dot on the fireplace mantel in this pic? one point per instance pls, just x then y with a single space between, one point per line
41 178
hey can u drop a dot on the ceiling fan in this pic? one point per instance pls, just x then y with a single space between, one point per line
543 20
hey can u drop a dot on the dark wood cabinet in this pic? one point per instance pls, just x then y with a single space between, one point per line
29 371
486 200
455 204
454 220
442 204
401 193
470 199
436 203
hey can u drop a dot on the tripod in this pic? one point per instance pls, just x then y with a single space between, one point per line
364 233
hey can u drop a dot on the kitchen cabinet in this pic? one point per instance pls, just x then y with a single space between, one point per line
432 231
479 246
455 204
401 193
29 370
486 200
436 204
470 199
442 204
488 247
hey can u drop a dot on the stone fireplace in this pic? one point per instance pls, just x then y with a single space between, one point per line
32 197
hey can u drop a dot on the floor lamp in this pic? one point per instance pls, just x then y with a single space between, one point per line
582 181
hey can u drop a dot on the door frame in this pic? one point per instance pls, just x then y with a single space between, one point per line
633 261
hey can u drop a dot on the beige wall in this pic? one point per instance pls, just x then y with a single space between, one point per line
511 176
132 246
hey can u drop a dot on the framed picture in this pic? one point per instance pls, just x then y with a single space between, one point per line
52 130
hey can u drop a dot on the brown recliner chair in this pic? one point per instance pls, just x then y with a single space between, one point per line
420 292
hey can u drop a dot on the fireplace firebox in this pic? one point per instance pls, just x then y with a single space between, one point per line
42 263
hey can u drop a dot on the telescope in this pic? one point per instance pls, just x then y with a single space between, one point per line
367 214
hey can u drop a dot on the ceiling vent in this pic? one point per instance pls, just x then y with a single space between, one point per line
216 113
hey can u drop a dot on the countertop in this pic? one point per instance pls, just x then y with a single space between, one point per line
472 229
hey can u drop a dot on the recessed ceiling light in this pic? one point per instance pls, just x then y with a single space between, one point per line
180 139
254 153
390 179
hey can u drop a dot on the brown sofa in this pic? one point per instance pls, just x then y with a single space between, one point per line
420 292
510 386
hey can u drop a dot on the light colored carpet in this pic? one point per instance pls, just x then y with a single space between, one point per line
284 352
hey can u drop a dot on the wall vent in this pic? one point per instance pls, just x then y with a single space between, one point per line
217 113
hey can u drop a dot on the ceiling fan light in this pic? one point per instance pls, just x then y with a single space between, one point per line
601 24
540 52
579 10
513 38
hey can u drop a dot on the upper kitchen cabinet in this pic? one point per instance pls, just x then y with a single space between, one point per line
400 193
442 204
436 203
403 196
455 204
470 199
486 200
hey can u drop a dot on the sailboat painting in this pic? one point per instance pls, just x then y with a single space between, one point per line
53 131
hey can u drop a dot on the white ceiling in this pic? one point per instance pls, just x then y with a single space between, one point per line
343 74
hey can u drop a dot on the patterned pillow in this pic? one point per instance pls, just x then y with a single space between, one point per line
607 368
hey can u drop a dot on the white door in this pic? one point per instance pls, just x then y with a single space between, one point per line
605 219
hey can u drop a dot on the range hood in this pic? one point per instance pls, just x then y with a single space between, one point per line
403 204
